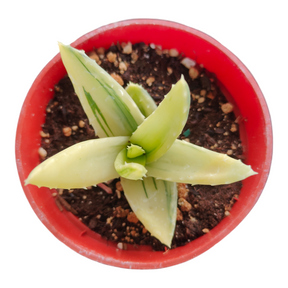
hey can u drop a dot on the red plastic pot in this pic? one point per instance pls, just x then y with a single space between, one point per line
240 87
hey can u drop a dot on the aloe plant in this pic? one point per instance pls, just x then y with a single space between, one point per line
138 142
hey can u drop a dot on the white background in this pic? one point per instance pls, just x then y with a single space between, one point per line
254 254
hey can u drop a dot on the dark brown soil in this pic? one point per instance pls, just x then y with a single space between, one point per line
110 215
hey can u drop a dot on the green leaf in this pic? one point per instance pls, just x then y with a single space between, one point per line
166 226
98 114
155 205
109 108
134 151
130 168
81 165
142 98
188 163
158 132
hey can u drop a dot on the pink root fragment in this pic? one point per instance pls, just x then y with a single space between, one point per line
107 189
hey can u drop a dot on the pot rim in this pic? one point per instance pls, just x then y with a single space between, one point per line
134 258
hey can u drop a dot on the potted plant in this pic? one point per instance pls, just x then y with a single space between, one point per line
67 228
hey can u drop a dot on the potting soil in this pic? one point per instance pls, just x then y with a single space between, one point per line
211 124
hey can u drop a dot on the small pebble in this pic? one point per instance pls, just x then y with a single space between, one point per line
111 57
67 131
81 124
193 73
118 78
188 63
134 57
127 48
173 53
44 135
205 230
227 108
233 127
150 81
201 100
42 152
169 70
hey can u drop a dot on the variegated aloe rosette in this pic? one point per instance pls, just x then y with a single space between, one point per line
138 142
